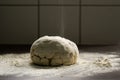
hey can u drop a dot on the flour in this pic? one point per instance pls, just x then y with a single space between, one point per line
89 64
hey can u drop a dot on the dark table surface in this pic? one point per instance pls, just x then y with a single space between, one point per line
25 48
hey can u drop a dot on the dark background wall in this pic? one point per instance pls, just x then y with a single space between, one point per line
88 22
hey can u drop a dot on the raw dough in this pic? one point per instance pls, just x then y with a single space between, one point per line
54 51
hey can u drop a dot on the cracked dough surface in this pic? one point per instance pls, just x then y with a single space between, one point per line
54 51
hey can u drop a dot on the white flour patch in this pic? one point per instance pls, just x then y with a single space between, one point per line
89 64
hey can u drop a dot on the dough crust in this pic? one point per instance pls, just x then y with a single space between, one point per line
54 51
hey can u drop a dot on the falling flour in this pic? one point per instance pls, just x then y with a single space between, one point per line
89 64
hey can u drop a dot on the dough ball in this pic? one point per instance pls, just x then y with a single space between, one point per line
54 51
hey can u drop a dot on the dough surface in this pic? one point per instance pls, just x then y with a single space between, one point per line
54 51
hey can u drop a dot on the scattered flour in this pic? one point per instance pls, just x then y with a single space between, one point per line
89 64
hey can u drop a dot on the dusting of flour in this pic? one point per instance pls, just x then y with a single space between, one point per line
89 64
